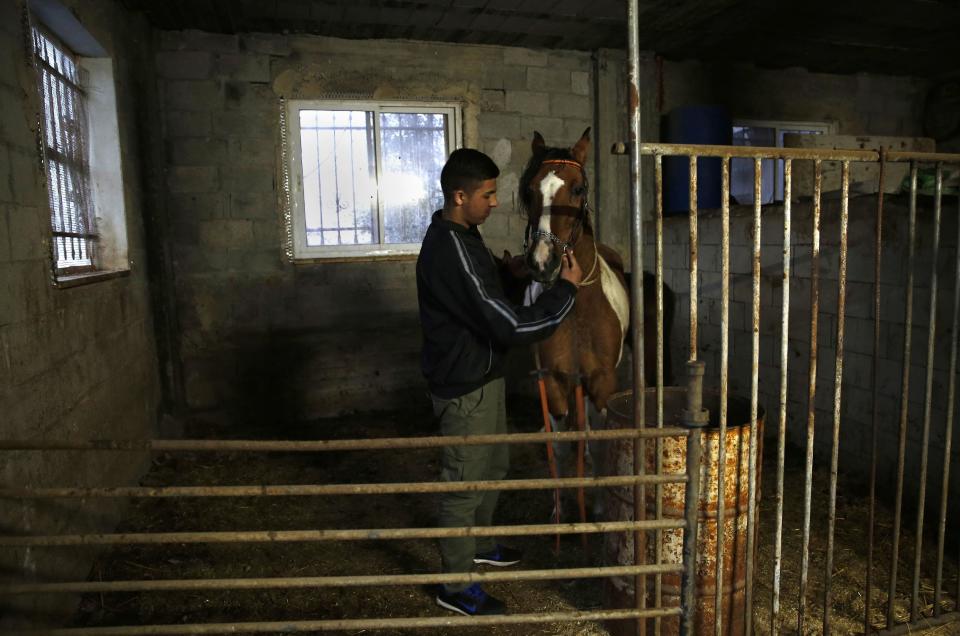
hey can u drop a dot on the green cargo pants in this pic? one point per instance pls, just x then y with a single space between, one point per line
481 412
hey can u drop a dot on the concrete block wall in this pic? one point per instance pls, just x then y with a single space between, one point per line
857 388
266 339
76 363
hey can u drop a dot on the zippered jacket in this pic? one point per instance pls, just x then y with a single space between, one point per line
467 321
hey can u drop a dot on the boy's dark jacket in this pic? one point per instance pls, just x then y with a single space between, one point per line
468 322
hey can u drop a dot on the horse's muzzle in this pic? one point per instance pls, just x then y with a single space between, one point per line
543 261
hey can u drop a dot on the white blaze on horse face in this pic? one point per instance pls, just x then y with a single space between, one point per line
548 188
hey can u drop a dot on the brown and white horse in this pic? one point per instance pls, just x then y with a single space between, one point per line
588 346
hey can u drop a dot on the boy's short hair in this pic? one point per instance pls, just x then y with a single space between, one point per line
465 168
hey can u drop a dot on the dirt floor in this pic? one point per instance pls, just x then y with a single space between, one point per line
409 557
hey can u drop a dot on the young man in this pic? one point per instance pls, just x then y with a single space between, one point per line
468 325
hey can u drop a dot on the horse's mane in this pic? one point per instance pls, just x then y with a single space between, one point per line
530 171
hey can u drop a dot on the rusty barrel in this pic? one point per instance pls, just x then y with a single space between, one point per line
617 459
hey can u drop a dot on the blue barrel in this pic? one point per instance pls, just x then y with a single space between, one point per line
694 125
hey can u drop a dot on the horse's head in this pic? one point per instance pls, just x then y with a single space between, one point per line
553 192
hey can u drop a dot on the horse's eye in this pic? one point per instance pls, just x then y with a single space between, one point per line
579 190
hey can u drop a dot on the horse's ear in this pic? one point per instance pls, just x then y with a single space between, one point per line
579 150
538 145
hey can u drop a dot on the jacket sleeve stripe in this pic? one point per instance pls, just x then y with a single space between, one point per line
501 307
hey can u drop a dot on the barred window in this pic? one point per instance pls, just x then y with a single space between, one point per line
366 176
65 137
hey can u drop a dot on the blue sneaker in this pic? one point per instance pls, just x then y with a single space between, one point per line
472 601
500 556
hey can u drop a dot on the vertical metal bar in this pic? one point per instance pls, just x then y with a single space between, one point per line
636 261
948 433
695 418
754 389
782 430
927 402
694 248
837 387
724 358
874 435
658 592
811 392
904 397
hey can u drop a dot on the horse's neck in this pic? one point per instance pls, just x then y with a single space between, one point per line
587 255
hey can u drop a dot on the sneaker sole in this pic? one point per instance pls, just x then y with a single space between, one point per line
452 608
501 564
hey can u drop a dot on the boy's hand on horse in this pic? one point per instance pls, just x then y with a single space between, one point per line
570 268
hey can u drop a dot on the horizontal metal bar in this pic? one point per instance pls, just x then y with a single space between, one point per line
922 624
80 235
355 534
758 152
232 445
339 489
270 583
361 624
932 157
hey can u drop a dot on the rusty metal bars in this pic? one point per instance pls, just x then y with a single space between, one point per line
724 379
358 534
357 625
927 403
636 308
837 387
301 490
904 396
948 433
311 446
754 393
782 429
658 585
694 253
263 583
811 393
875 428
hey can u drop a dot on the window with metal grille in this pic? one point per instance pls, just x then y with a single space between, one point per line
366 176
65 136
769 134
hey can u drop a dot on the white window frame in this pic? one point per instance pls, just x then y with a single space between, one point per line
302 251
106 207
780 127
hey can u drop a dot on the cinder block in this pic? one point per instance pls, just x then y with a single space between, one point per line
253 152
15 119
5 239
246 96
528 102
248 179
193 40
25 177
192 179
254 206
572 106
255 124
227 234
186 123
548 79
497 77
492 100
580 83
524 57
243 67
266 44
196 152
29 229
197 206
550 127
6 188
496 125
184 65
193 95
